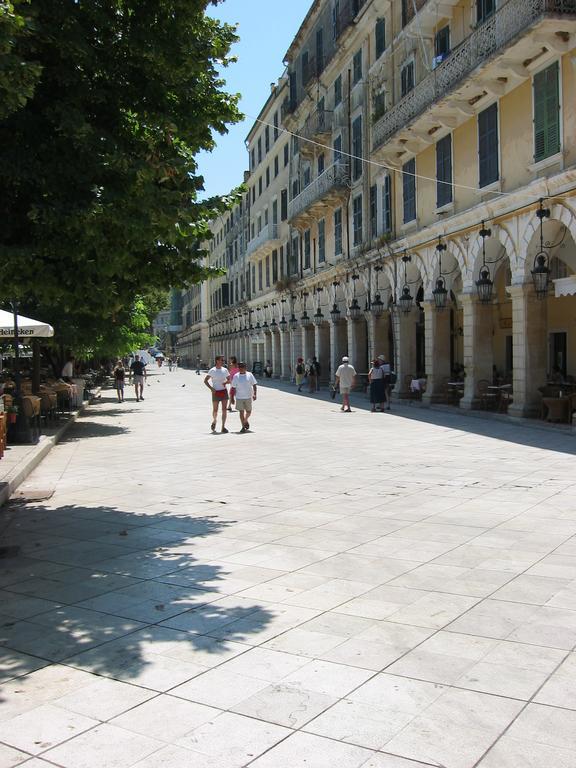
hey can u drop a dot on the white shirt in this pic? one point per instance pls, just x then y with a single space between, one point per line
243 383
218 376
346 373
376 373
68 370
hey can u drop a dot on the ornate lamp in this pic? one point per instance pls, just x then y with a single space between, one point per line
335 313
283 324
354 310
377 305
484 284
541 272
440 293
293 322
318 317
405 302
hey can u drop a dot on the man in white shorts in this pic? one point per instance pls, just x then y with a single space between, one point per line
345 377
244 388
219 376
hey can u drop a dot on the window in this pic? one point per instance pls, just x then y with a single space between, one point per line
253 158
338 231
286 154
444 171
281 264
253 194
259 223
373 211
335 19
283 205
387 205
260 149
546 113
259 186
357 148
267 271
319 50
338 149
253 279
321 241
267 177
409 190
295 145
306 260
275 211
378 105
293 256
305 68
441 45
321 165
267 139
274 265
338 90
276 166
357 67
407 78
380 35
484 9
294 188
276 131
266 216
357 219
488 171
260 275
306 177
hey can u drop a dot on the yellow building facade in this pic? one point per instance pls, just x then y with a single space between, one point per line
428 184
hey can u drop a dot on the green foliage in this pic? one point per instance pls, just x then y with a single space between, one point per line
18 77
98 179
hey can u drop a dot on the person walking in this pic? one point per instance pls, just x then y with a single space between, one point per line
138 369
345 378
387 375
314 376
268 369
119 374
216 379
198 364
300 371
244 386
232 370
377 390
170 364
68 370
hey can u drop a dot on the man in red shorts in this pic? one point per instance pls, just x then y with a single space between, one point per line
216 380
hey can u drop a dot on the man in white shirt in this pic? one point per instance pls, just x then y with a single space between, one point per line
244 388
219 376
345 377
68 369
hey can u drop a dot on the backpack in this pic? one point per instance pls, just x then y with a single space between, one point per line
299 368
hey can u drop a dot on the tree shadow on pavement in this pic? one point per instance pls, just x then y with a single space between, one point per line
125 595
83 429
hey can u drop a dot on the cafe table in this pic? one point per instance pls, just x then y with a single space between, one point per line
556 408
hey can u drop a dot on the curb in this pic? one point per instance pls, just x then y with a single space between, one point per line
19 474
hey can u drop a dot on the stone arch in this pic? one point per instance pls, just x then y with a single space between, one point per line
501 235
563 214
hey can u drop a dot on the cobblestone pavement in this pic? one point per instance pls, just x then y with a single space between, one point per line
333 590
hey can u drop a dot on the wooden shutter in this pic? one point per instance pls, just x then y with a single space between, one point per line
546 113
488 171
444 171
380 37
409 190
387 205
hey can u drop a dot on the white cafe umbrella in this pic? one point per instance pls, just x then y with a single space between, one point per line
27 328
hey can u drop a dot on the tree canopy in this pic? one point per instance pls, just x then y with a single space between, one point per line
99 187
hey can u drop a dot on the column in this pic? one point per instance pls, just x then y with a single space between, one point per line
307 344
335 356
296 344
478 355
371 330
405 344
351 339
274 358
267 348
322 351
529 350
437 352
285 355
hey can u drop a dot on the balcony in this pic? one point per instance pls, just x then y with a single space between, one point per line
501 30
265 241
328 188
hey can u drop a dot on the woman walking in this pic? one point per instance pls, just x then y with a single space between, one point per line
377 386
119 374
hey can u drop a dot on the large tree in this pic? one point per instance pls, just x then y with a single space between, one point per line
98 181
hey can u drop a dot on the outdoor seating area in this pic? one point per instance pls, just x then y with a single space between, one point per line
558 401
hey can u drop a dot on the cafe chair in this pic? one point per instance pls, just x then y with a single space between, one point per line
487 399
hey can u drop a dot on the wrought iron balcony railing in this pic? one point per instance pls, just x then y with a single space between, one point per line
488 39
335 177
268 233
319 122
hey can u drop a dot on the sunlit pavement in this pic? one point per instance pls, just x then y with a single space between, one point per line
389 590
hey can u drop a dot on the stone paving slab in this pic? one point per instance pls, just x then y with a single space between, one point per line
389 590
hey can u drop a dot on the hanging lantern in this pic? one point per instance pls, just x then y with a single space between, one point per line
541 271
440 294
283 324
335 313
318 317
273 324
377 306
293 322
405 301
354 310
484 284
305 319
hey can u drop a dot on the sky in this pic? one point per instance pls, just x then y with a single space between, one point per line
266 29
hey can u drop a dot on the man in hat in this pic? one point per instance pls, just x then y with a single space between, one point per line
345 378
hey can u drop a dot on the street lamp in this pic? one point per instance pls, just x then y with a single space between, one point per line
440 293
283 324
318 317
335 313
406 301
541 271
484 284
293 322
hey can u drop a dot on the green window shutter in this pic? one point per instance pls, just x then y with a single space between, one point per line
546 113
